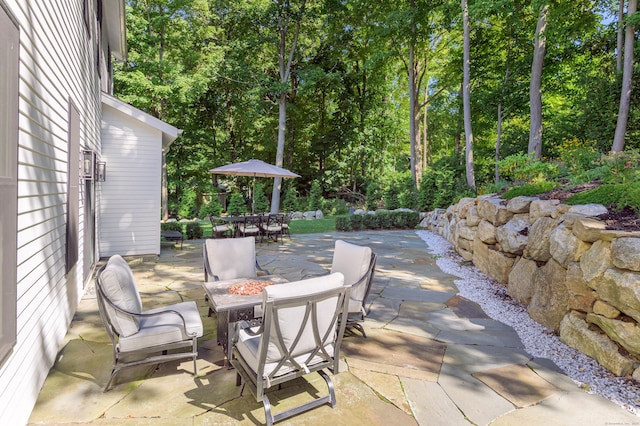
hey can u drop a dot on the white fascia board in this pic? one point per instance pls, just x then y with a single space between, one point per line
169 132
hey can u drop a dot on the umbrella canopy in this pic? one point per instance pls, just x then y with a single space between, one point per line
255 168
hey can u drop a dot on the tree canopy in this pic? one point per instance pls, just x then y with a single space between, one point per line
374 93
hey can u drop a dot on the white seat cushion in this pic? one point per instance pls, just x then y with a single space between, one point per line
164 329
232 258
120 287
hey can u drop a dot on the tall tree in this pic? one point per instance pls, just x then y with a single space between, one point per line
466 100
286 14
627 80
535 86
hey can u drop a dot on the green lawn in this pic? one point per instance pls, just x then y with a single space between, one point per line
301 226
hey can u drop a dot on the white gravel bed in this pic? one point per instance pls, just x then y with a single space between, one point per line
538 340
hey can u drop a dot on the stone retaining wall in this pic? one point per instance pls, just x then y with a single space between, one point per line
574 276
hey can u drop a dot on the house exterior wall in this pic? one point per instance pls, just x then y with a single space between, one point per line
58 67
130 196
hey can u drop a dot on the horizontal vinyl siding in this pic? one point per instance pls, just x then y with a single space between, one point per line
130 196
57 64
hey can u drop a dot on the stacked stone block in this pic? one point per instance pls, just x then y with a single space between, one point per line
574 276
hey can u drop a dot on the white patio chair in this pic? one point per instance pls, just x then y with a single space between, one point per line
298 336
143 337
357 264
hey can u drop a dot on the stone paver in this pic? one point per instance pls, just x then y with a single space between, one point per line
431 358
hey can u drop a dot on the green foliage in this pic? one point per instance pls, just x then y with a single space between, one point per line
212 208
576 156
187 207
171 226
373 195
237 205
316 201
383 220
622 195
261 203
290 200
442 184
194 231
529 189
620 167
524 168
336 206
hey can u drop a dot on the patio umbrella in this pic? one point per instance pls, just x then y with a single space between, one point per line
255 168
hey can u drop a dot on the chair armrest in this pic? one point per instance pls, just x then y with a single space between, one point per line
305 276
156 293
246 327
207 268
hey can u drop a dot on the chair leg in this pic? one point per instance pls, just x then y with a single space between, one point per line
331 399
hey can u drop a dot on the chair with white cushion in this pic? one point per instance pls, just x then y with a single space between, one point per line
143 337
299 335
230 258
357 264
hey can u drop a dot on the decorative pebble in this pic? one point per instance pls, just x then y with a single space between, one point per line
538 341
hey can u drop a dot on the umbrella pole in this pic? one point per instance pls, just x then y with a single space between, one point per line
253 195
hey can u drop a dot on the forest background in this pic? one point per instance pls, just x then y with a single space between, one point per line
366 100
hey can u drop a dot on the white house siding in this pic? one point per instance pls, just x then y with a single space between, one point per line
57 65
130 197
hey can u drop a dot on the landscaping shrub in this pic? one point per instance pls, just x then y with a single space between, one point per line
212 208
524 168
194 231
373 196
336 206
261 202
529 189
290 201
622 195
316 201
237 205
384 220
187 208
620 167
171 226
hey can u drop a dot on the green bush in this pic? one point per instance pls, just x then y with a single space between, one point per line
621 167
343 223
385 220
171 226
373 196
336 206
194 231
290 201
261 202
187 208
212 208
529 189
524 168
622 195
316 202
237 205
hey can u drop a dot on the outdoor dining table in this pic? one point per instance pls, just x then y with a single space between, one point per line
237 221
232 308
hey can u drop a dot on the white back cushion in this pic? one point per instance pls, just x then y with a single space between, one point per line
290 318
231 258
120 287
351 260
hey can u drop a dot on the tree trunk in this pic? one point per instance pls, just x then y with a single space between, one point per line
426 149
535 92
620 37
466 102
500 111
285 73
627 79
413 123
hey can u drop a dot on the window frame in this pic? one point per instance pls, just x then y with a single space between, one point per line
9 95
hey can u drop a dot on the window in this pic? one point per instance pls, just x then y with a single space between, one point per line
73 179
9 80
